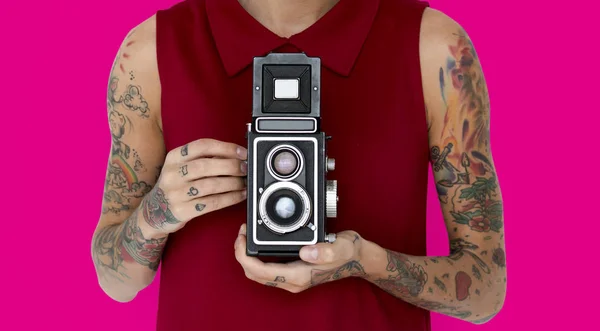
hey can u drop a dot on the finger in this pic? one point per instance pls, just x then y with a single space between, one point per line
209 186
341 250
202 168
256 269
210 148
207 204
281 285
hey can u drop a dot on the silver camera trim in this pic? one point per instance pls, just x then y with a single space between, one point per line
315 218
314 120
264 215
299 166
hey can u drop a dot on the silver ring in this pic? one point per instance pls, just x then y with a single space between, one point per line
299 165
306 207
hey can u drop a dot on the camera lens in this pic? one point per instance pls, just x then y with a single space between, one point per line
284 207
285 163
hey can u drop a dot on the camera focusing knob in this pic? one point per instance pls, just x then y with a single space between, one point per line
331 199
330 164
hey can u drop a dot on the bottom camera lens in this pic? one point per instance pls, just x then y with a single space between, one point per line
284 207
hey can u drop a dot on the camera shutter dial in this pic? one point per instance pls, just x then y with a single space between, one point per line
331 199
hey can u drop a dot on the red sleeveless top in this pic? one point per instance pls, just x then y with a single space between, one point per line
371 103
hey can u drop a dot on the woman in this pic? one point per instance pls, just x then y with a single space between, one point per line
402 87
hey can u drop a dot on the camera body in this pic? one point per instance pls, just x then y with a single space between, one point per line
289 197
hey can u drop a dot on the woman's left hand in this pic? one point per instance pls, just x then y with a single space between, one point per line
319 263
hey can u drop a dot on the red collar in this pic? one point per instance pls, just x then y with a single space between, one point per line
336 38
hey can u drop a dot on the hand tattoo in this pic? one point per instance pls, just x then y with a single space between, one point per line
193 191
184 150
183 170
155 209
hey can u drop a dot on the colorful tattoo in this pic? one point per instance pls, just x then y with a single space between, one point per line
460 247
465 176
439 284
484 320
499 258
442 308
146 252
116 244
407 279
463 283
155 209
476 272
350 269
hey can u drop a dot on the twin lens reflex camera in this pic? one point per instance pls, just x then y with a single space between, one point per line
289 197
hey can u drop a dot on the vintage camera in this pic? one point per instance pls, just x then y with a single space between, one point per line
289 197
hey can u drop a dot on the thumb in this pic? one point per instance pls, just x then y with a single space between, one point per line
322 253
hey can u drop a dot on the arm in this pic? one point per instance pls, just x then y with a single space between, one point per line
126 251
470 284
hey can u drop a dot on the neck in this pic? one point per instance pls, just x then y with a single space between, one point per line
287 17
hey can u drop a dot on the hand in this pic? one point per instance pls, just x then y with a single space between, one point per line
200 177
319 263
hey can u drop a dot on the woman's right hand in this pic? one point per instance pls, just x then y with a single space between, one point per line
202 176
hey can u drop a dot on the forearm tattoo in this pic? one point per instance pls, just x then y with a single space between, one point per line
405 279
408 278
116 244
349 269
146 252
107 253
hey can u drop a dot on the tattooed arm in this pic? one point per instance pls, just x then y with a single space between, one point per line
126 253
469 284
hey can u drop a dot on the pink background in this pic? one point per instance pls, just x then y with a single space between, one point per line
56 55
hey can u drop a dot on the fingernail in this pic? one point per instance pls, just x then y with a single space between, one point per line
240 231
310 254
242 152
245 181
244 167
244 194
237 240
